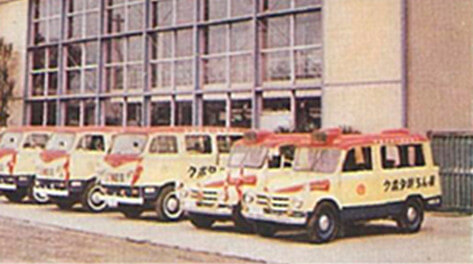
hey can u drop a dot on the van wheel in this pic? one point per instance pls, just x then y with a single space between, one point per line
15 197
131 212
324 224
36 197
167 205
201 222
411 217
265 229
241 224
92 198
64 205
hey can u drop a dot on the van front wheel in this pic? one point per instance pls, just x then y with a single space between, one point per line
167 205
92 198
324 223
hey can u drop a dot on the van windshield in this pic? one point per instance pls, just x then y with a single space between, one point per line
317 159
129 144
61 141
247 156
11 140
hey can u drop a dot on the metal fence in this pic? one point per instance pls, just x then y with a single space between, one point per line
453 153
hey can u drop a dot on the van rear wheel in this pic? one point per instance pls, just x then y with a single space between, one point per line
15 197
167 205
201 221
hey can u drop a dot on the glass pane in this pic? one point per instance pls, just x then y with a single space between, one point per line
241 113
52 111
90 80
216 41
75 26
55 7
91 53
276 32
134 114
308 29
136 17
184 43
73 82
116 20
216 9
163 14
214 113
241 36
53 57
160 114
40 32
115 50
92 24
114 78
161 75
273 5
39 57
38 84
135 77
241 69
135 48
301 3
74 55
277 66
92 4
89 113
36 113
40 8
113 113
214 71
309 64
72 113
164 45
76 5
52 84
185 11
183 113
242 7
183 73
54 30
308 114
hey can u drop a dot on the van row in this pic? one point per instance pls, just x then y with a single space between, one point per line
264 182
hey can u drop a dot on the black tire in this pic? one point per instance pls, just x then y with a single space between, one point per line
90 198
201 221
64 204
37 198
131 212
324 224
265 229
241 223
167 205
16 197
411 217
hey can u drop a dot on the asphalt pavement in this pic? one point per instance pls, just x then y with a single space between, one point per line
443 238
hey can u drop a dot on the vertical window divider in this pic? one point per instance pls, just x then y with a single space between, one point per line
99 113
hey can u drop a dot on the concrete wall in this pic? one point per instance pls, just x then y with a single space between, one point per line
363 58
440 63
13 29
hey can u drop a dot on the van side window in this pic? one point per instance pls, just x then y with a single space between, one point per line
358 159
92 143
412 155
36 141
164 145
224 143
390 157
198 144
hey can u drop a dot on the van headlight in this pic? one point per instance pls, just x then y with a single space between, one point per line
296 202
149 190
249 197
76 184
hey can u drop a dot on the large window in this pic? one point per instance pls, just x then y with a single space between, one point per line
156 62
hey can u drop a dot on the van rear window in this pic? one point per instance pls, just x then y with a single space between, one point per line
198 144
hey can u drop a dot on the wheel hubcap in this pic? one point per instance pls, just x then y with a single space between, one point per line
411 214
40 198
324 222
95 200
172 204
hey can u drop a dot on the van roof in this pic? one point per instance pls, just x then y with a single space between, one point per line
180 129
271 139
335 138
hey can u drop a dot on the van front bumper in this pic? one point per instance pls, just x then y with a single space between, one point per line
15 182
258 213
60 189
197 207
122 195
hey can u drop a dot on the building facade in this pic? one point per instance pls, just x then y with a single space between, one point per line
272 64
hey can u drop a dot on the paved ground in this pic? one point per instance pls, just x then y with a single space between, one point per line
444 238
